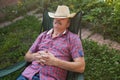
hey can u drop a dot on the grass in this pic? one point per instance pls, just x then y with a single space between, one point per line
102 63
16 40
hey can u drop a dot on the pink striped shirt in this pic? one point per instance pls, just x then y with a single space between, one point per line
66 46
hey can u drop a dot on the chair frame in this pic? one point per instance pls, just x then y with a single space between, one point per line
75 27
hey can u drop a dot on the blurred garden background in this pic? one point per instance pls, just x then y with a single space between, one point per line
99 16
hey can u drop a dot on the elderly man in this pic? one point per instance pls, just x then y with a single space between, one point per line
53 50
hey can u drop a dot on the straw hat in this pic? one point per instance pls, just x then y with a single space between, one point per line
61 12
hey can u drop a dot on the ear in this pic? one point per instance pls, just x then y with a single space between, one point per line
68 23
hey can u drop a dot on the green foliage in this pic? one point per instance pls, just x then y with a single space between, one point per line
104 16
21 8
16 39
101 63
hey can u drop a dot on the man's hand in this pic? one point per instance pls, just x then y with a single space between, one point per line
46 58
38 57
41 57
49 59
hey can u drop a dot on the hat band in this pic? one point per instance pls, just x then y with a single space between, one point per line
61 15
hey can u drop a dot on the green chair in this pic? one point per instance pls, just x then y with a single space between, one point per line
46 25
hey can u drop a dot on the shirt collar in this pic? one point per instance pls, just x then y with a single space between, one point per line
51 30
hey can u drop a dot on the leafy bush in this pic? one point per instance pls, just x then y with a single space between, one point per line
101 63
20 9
16 39
104 16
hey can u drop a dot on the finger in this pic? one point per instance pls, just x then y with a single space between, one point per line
38 57
42 64
49 53
43 56
41 52
42 61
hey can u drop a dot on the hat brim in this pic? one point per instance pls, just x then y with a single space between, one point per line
52 15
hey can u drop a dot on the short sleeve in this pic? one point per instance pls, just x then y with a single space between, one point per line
34 46
76 47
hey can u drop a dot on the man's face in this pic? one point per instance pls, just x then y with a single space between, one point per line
61 23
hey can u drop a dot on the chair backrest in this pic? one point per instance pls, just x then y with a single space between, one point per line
75 27
47 22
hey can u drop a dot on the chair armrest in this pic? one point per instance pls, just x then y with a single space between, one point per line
11 69
75 76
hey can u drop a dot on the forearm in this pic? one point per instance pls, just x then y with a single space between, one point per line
71 66
34 56
29 56
77 66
